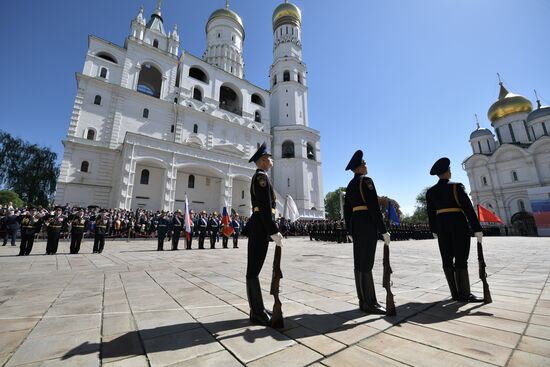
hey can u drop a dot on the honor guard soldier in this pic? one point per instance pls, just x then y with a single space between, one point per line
100 231
30 223
213 228
260 228
162 229
54 223
364 219
177 227
189 241
450 211
202 224
235 223
78 225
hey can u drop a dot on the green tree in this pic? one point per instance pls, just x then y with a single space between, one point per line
28 169
420 214
7 196
332 204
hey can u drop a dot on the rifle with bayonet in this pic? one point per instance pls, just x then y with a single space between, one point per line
277 316
386 282
483 274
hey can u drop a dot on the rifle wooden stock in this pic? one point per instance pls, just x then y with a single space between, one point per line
483 274
277 316
386 282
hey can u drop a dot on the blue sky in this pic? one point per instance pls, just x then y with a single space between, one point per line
400 79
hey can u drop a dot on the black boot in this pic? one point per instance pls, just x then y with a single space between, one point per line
450 275
258 313
463 286
359 288
369 295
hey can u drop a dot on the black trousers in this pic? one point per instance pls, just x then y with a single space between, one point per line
202 236
365 237
76 239
52 242
160 240
189 242
225 240
175 240
258 242
213 240
27 240
453 237
12 233
235 240
99 243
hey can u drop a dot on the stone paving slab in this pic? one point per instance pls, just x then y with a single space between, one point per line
134 306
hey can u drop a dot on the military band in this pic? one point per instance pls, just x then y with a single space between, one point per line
54 223
30 225
78 226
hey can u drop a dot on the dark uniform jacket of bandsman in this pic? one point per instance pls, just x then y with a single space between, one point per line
264 201
361 192
29 225
55 223
78 225
101 226
450 195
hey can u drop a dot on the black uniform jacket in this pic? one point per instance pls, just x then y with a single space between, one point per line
264 201
448 195
361 192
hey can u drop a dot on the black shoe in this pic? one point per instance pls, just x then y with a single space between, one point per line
451 281
370 303
463 286
258 314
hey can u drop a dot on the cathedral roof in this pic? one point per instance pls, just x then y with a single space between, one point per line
539 112
507 104
480 132
286 13
227 14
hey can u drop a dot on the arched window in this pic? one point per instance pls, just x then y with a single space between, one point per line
257 99
288 182
514 176
103 73
156 43
90 135
150 80
299 78
310 151
195 129
107 56
144 179
287 149
84 166
521 205
489 206
257 116
484 181
198 74
97 100
286 76
274 79
191 182
146 113
197 94
229 100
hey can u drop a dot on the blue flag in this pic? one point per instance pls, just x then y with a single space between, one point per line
392 214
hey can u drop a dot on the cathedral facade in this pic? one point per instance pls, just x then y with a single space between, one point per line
511 175
151 124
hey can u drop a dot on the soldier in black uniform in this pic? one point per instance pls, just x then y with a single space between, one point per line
177 227
449 212
162 229
260 227
235 223
202 228
364 219
100 231
78 225
213 228
54 224
30 223
12 225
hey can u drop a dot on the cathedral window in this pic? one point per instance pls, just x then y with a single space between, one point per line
299 78
106 56
257 99
103 73
286 76
479 146
97 100
288 182
156 43
197 94
274 80
230 101
310 151
172 128
526 130
144 179
521 205
512 133
484 181
514 176
257 116
198 74
195 129
150 81
488 146
191 182
90 135
84 166
287 149
146 113
544 128
242 194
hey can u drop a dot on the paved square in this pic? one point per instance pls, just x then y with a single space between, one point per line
133 306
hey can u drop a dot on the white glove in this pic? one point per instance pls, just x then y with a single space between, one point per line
435 235
386 237
479 236
278 238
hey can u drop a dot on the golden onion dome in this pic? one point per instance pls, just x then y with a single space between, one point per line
227 14
507 104
287 13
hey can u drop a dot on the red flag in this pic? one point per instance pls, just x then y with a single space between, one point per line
485 215
227 229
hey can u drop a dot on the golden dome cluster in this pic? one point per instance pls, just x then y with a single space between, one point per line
507 104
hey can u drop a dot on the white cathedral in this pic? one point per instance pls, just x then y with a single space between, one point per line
150 125
508 175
